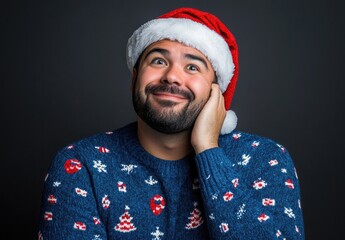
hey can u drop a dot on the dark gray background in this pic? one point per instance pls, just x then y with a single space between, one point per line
64 77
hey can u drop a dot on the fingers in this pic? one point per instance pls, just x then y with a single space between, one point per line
209 122
219 98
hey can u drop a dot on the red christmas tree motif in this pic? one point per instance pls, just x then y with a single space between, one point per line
195 218
125 224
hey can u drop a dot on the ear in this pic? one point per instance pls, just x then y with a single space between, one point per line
134 77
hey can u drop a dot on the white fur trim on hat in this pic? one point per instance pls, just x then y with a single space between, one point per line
190 33
229 123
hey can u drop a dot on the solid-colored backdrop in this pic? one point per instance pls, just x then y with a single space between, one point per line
64 77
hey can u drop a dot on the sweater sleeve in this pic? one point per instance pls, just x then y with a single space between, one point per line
251 196
69 208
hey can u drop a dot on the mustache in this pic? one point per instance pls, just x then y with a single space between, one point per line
173 89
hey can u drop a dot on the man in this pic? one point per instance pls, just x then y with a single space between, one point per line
181 171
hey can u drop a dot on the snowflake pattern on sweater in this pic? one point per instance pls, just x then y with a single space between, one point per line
108 187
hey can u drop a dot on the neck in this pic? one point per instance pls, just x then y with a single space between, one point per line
161 145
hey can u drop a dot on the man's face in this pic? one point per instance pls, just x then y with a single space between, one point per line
171 86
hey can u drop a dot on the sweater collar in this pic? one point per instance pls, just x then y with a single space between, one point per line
165 168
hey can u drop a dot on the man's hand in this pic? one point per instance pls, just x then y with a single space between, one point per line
208 124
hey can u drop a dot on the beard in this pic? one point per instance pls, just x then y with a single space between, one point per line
166 119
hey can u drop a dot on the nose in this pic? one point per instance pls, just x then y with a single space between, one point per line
173 75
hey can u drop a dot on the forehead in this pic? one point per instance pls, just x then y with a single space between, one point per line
175 46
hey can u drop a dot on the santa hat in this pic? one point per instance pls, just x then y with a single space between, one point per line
202 31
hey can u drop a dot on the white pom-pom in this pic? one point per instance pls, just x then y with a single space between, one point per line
230 122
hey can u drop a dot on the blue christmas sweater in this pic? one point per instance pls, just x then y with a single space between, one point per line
108 187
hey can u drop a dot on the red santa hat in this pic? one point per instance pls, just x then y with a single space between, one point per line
202 31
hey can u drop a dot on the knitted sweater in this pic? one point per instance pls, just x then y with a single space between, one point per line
108 187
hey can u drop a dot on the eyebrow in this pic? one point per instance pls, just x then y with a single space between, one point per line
167 53
158 50
197 58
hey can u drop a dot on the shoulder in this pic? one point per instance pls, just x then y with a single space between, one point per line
242 145
259 156
102 143
241 139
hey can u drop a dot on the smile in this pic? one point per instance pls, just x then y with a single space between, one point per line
169 96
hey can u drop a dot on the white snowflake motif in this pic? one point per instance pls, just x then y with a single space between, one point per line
196 184
157 234
97 237
214 196
289 212
151 181
211 216
245 160
128 168
99 166
241 211
56 184
284 170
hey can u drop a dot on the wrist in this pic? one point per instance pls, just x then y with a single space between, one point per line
203 147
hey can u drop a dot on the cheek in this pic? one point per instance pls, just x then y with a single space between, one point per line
201 89
146 77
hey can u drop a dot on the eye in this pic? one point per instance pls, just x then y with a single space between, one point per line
192 68
158 61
